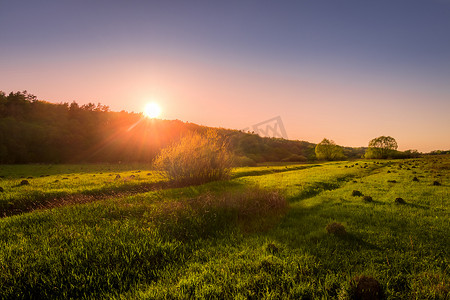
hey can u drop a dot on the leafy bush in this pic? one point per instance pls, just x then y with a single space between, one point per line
195 159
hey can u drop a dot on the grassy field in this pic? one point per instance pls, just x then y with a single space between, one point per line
116 231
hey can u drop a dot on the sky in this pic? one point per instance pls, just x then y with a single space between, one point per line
346 70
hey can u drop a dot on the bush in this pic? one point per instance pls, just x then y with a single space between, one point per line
195 159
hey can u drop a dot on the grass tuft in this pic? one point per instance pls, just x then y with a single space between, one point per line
365 288
367 199
336 229
252 209
356 193
400 200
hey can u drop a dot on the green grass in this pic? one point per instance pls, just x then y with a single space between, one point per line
199 242
51 184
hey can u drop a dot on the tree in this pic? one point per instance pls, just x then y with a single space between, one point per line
328 150
381 147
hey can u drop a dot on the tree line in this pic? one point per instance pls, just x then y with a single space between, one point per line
36 131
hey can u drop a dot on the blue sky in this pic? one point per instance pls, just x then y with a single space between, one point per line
345 70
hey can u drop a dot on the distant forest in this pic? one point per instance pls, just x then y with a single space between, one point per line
36 131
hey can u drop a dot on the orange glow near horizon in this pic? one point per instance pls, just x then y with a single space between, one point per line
152 110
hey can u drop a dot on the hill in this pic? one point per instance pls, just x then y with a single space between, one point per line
36 131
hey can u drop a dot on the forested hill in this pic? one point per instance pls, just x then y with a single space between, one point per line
35 131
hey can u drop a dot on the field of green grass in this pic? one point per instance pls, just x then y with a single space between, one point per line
118 231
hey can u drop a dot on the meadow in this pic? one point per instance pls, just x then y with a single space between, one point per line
123 232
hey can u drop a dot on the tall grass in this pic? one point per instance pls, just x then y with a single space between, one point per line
251 209
195 159
88 251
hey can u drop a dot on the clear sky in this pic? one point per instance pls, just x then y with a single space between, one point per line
345 70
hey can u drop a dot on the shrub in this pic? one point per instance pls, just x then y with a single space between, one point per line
336 228
436 183
195 159
415 178
24 182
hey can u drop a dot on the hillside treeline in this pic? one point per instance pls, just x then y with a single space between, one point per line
36 131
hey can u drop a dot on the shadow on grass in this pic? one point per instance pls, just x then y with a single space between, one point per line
417 206
316 188
39 200
271 171
356 242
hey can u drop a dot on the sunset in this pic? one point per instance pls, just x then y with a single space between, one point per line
224 149
152 110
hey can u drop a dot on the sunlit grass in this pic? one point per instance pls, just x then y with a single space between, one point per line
196 242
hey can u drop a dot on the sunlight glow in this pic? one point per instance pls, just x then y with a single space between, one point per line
152 110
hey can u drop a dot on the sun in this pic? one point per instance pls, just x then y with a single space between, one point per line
152 110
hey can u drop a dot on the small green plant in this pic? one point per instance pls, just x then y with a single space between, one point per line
336 228
196 159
